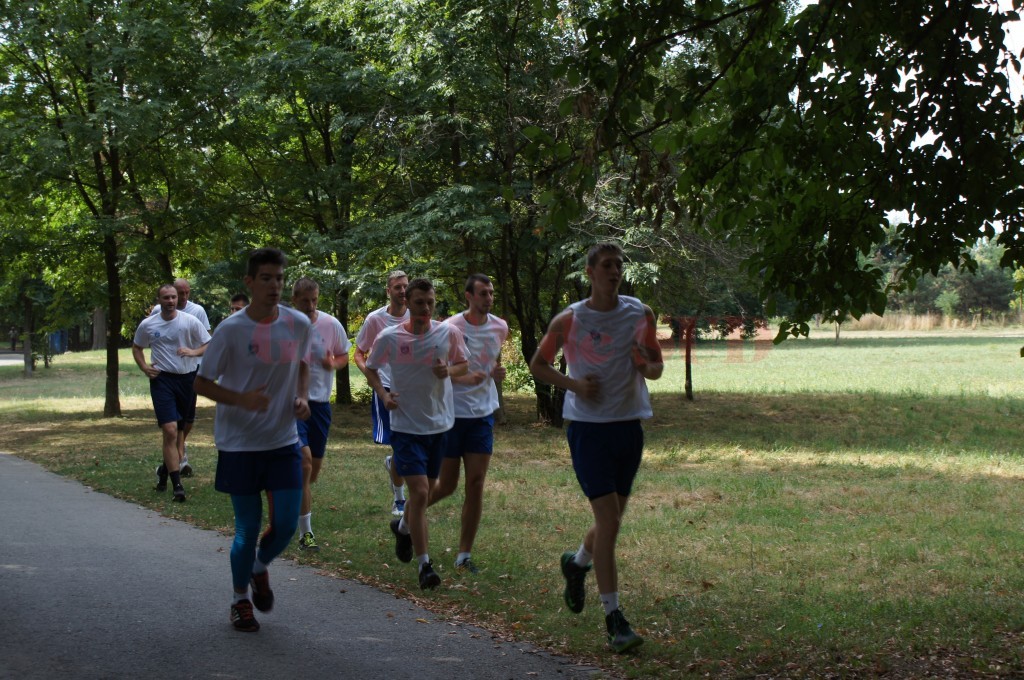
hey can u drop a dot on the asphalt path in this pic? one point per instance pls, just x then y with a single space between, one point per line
95 587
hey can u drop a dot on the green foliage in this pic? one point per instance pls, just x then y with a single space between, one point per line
948 301
798 133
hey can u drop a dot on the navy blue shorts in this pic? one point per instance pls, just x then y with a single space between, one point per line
381 420
470 435
606 456
417 454
313 432
243 473
174 397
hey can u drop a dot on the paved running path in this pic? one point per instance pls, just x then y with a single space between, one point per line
95 587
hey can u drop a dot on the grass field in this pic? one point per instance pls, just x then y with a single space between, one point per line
819 510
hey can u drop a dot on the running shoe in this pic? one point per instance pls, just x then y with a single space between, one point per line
179 493
621 637
575 582
428 577
186 469
262 595
467 566
308 542
161 478
398 508
403 542
242 617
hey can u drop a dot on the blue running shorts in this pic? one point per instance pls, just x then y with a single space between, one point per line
417 454
250 472
174 397
313 432
606 456
470 435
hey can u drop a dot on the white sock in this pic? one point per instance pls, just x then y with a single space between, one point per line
258 567
403 528
399 492
423 559
238 597
610 602
305 522
582 557
460 558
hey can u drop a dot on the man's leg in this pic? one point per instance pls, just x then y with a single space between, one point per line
601 538
169 469
447 481
170 446
310 471
473 505
416 512
248 515
283 518
186 469
307 479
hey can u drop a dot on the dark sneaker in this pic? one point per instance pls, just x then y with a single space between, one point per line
161 478
403 542
179 493
466 566
428 577
575 582
262 595
308 542
621 637
186 469
242 617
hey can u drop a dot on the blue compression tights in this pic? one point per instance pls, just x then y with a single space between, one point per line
283 507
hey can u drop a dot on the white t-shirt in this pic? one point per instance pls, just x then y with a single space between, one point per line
376 321
190 308
165 338
245 355
328 337
601 344
484 345
424 401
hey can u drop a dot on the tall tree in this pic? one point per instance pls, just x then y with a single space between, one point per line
108 102
800 133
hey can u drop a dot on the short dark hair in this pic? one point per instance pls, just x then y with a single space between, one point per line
240 297
419 283
262 256
474 278
165 285
596 251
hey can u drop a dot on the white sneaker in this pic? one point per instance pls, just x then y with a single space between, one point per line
398 508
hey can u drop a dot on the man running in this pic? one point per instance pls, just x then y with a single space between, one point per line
328 351
422 355
176 341
256 370
471 440
611 347
392 314
184 289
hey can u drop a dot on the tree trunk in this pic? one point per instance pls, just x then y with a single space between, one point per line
99 328
341 378
689 326
26 347
112 399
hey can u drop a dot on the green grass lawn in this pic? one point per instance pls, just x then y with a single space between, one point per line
818 510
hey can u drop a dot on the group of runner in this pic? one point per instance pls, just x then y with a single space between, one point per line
270 368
